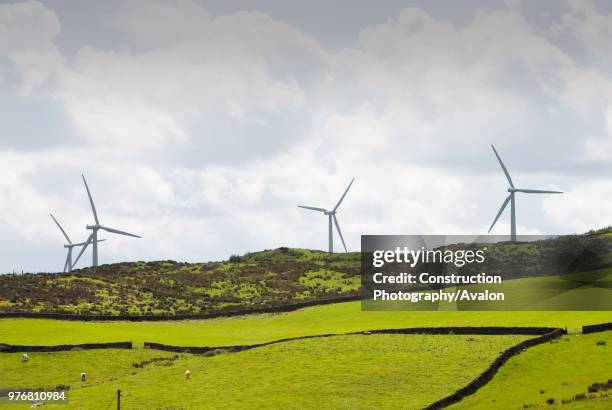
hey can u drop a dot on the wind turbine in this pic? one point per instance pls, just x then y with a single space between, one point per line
93 238
511 198
332 216
69 265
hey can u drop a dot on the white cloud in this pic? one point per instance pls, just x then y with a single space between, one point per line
203 133
206 74
586 206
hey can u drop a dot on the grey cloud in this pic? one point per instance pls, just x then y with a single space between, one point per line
202 124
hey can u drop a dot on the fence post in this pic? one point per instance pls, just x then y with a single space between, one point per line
118 399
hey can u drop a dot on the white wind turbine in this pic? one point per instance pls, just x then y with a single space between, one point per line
93 238
332 216
510 198
68 265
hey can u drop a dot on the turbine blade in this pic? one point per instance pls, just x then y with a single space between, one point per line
503 166
83 243
538 191
343 195
117 231
93 207
312 208
61 229
67 264
339 232
89 240
500 211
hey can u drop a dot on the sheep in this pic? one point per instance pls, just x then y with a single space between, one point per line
83 376
187 374
25 357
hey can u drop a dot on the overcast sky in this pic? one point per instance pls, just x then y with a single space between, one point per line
200 125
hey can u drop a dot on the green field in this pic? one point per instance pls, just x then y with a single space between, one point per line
337 318
376 371
50 370
335 372
345 371
559 370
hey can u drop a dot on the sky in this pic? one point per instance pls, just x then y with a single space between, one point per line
201 125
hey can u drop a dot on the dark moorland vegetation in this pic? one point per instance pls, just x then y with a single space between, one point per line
269 278
512 260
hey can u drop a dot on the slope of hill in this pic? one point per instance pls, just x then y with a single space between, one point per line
267 278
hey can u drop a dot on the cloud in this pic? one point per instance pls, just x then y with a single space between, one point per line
27 50
497 80
585 207
195 78
204 132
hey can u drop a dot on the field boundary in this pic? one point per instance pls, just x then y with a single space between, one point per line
601 327
8 348
190 316
493 368
491 330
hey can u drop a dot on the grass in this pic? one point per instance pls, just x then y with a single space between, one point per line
336 318
376 371
558 370
357 371
50 370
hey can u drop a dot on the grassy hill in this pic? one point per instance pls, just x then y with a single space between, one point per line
266 279
346 371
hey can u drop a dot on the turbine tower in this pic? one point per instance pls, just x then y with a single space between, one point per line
68 265
511 198
93 238
331 215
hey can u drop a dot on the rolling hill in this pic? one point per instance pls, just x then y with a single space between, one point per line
268 278
265 279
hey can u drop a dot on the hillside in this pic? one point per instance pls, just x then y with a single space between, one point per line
265 279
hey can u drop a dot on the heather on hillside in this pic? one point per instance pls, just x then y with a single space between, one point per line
268 278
